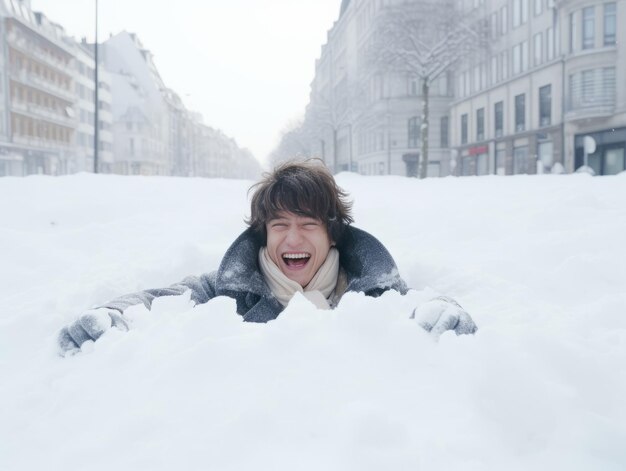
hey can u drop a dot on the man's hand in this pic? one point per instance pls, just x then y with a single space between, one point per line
90 325
441 314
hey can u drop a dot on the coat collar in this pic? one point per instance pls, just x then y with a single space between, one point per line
367 263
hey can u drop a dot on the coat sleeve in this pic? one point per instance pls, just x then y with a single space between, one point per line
202 290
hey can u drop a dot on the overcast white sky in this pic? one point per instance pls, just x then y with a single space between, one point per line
246 65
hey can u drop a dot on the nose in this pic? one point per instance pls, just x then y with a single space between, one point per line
294 237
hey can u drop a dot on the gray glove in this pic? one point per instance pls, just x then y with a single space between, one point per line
90 325
441 314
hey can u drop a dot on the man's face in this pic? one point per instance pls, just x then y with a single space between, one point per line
298 245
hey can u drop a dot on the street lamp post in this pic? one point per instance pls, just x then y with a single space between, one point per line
96 124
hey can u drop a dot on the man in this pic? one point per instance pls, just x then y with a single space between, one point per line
299 239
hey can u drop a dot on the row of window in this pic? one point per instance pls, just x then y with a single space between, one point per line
587 20
31 96
592 87
28 127
521 162
23 64
545 116
500 68
499 20
544 48
36 45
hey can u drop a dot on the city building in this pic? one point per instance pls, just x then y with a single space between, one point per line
550 80
153 132
37 99
547 81
47 108
138 108
85 109
368 119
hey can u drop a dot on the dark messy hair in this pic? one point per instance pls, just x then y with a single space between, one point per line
306 188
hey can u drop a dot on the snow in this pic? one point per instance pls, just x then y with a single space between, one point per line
538 261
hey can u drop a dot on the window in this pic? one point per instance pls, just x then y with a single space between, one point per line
413 84
588 27
494 69
609 24
588 86
549 44
482 164
520 159
414 132
520 57
498 112
517 59
572 32
476 83
538 7
520 112
494 25
520 12
613 161
444 132
545 153
504 63
538 49
517 20
467 166
464 129
500 162
480 124
433 170
545 105
504 19
443 84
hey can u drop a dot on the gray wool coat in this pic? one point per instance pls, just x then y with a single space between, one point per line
367 263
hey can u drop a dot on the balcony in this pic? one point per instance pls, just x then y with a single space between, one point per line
41 112
40 143
28 49
34 81
591 94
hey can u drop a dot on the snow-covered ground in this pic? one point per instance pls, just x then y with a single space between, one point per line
539 262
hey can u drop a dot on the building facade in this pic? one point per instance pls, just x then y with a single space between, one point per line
37 105
47 108
550 80
84 79
368 119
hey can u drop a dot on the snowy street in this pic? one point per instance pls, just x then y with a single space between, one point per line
538 261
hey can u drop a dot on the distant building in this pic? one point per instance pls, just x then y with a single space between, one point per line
368 121
47 108
552 76
37 99
139 110
551 79
153 132
84 79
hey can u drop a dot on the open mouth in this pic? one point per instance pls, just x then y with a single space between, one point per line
296 260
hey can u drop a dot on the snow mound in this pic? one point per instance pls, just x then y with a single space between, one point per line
538 262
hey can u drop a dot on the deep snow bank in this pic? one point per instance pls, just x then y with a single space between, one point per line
538 261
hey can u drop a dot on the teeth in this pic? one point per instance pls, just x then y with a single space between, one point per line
296 255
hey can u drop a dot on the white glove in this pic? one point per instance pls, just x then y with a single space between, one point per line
90 325
441 314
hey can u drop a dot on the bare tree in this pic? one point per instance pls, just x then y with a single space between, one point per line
334 109
425 38
295 143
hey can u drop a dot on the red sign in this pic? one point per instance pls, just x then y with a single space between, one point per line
478 150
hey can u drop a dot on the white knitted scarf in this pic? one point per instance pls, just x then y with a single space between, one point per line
319 290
